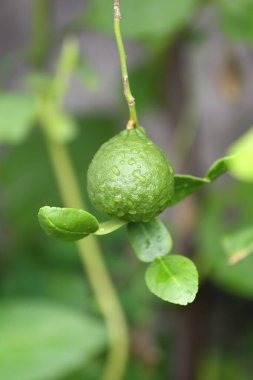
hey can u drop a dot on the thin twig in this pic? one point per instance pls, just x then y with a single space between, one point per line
133 121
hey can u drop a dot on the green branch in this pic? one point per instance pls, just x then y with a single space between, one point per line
133 120
89 249
41 41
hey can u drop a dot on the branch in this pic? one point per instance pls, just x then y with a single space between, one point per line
133 120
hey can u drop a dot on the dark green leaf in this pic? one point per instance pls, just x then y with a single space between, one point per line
149 240
67 224
42 341
110 226
173 278
17 114
187 184
238 245
141 20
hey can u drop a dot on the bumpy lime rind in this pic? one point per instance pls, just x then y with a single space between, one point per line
130 177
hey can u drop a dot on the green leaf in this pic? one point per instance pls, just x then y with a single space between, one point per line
17 115
242 164
149 240
67 224
219 167
110 226
237 18
238 245
42 341
142 19
187 184
173 278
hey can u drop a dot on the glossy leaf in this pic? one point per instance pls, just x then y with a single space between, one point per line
67 224
149 240
173 278
187 184
242 165
43 341
238 245
110 226
17 115
141 20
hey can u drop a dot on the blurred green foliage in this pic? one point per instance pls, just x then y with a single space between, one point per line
237 19
150 21
42 341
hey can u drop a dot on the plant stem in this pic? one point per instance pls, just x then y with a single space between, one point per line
89 249
40 32
93 262
133 120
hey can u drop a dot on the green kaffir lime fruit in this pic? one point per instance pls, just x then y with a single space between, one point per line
130 177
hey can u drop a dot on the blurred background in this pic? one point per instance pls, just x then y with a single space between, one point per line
191 72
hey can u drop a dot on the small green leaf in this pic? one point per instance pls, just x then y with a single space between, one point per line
17 114
173 278
219 167
187 184
238 245
149 240
242 164
110 226
44 341
67 224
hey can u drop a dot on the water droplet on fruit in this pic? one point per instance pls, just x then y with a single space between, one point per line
115 170
131 161
102 188
117 198
137 174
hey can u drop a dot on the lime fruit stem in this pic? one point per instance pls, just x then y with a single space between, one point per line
133 120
